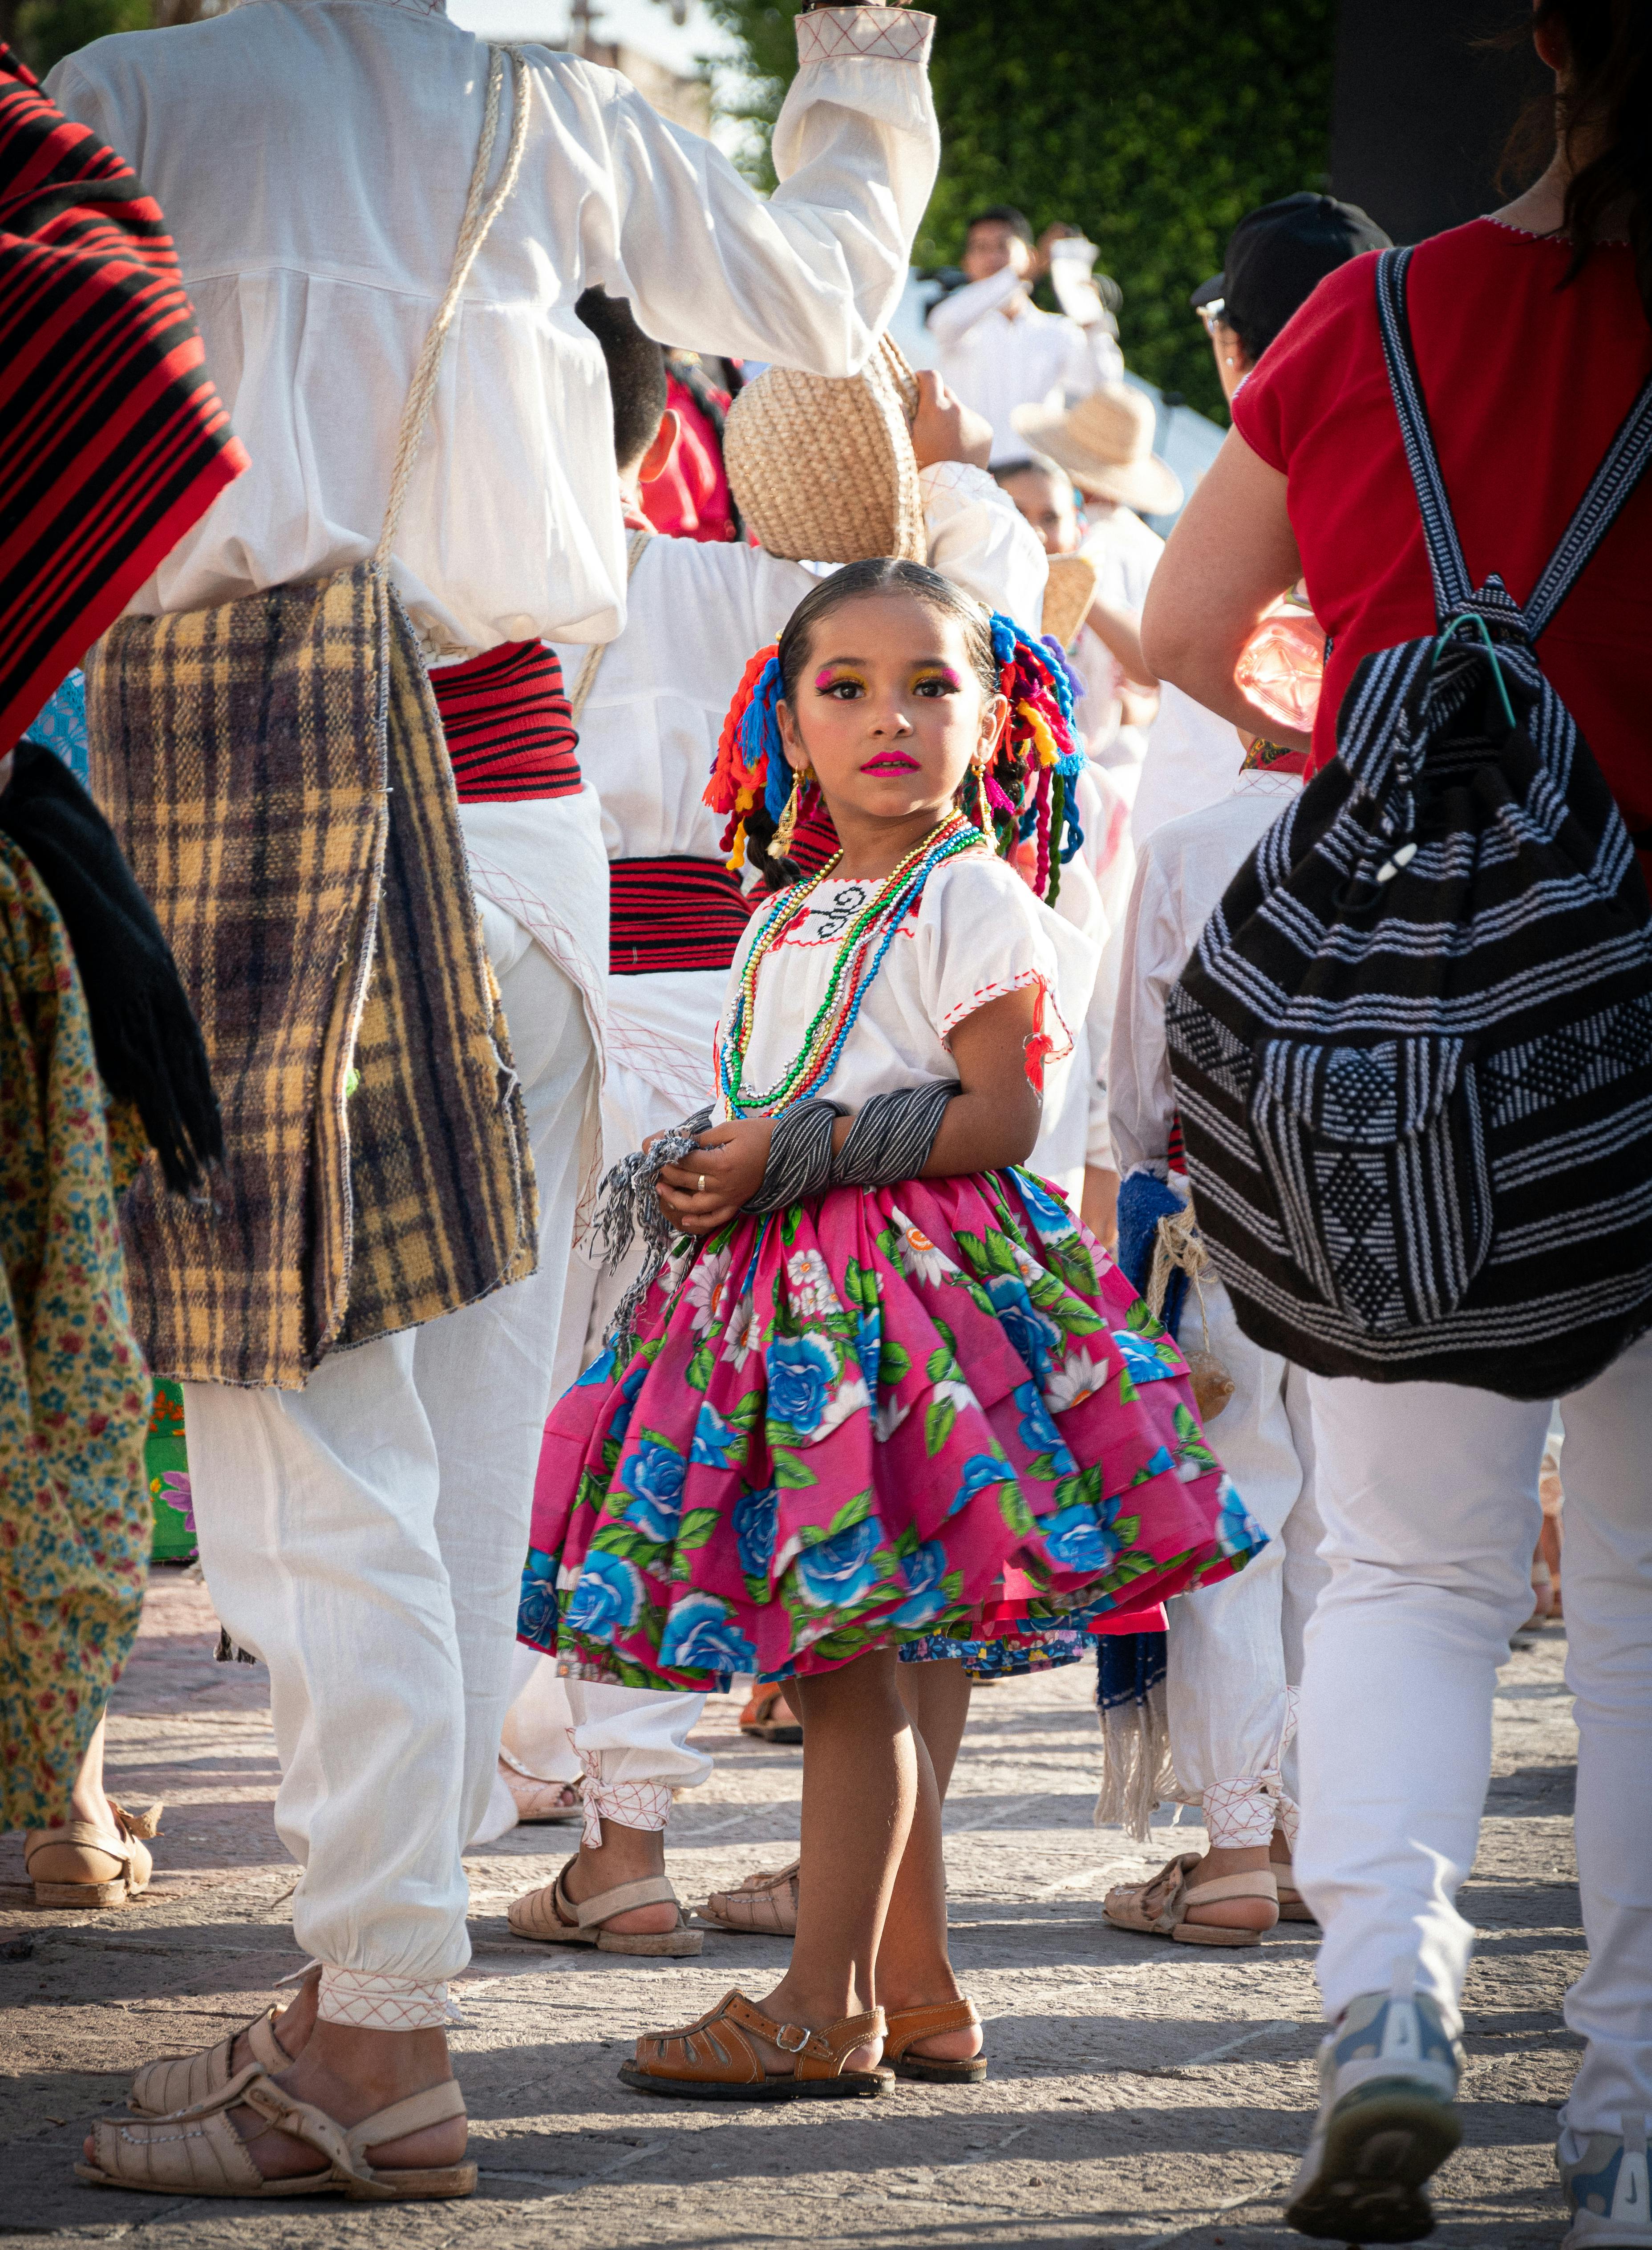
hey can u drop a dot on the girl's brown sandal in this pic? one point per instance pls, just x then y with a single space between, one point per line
713 2060
906 2024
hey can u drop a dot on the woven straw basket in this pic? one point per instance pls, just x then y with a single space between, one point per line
1071 589
823 468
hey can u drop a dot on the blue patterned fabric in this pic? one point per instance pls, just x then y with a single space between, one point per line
62 725
1129 1665
1143 1201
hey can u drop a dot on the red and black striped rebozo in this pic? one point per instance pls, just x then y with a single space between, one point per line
112 440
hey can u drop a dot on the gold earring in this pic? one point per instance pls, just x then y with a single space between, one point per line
983 804
785 828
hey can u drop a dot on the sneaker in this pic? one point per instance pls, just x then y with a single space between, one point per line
1605 2177
1388 2078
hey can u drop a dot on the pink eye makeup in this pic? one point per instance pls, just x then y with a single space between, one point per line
835 675
937 679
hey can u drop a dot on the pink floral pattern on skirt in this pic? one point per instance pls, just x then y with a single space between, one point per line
873 1417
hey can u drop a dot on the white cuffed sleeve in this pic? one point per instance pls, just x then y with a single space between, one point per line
809 276
981 540
981 934
951 320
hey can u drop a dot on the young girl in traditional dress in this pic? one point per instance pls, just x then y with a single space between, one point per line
885 1383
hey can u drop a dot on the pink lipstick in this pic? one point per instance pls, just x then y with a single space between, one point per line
890 761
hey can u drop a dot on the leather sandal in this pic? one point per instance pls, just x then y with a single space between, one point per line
1292 1905
550 1917
764 1905
182 2081
906 2024
769 1718
198 2151
712 2059
539 1803
1159 1908
80 1865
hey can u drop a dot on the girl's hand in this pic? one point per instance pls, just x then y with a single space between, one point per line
707 1193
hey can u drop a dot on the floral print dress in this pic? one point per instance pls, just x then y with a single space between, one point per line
74 1513
880 1416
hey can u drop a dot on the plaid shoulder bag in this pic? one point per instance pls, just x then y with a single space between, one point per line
1413 1048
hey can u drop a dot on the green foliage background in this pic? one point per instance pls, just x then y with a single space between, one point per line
1154 126
43 32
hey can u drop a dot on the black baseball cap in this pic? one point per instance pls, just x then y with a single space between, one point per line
1277 256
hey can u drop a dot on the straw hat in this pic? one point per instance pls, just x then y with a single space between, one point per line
1071 589
823 468
1105 445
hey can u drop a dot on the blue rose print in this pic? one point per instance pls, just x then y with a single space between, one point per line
755 1516
716 1442
869 1344
1142 1363
537 1609
802 1370
925 1571
701 1635
620 1420
1038 1431
600 1370
1075 1541
1051 1217
1026 1328
841 1569
980 1471
653 1475
607 1598
1237 1530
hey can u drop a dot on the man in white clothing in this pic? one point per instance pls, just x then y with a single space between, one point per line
1235 1652
364 1534
998 351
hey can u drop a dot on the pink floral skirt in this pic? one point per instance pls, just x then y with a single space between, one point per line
933 1409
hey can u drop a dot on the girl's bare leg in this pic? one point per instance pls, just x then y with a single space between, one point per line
913 1967
861 1763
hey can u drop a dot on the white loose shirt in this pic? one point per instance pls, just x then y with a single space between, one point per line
1182 872
1032 359
312 159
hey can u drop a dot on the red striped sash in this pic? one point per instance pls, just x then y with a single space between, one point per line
509 730
672 913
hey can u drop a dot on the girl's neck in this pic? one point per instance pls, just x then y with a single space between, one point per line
871 848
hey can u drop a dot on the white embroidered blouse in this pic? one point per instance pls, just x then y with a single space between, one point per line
978 934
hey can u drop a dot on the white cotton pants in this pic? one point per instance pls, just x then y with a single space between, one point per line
1429 1497
365 1537
629 1746
1235 1649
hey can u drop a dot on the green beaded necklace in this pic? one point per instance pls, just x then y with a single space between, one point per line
832 1021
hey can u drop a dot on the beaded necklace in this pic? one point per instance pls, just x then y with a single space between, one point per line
858 959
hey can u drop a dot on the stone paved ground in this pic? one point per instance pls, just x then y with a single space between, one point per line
1140 2094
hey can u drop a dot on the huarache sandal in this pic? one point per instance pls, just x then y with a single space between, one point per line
550 1917
80 1865
1292 1905
906 2024
770 1718
181 2082
1159 1908
198 2151
765 1905
712 2059
539 1803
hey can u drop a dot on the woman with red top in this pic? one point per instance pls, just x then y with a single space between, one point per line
1532 340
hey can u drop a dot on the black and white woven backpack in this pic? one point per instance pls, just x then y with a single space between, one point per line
1413 1049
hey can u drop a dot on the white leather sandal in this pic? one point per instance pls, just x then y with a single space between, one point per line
80 1865
182 2081
1158 1909
198 2151
550 1917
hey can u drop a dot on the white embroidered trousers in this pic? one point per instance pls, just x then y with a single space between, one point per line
1235 1653
1429 1496
365 1537
629 1746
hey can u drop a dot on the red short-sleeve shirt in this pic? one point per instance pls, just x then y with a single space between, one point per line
1526 384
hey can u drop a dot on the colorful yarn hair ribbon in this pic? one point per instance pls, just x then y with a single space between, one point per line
749 757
